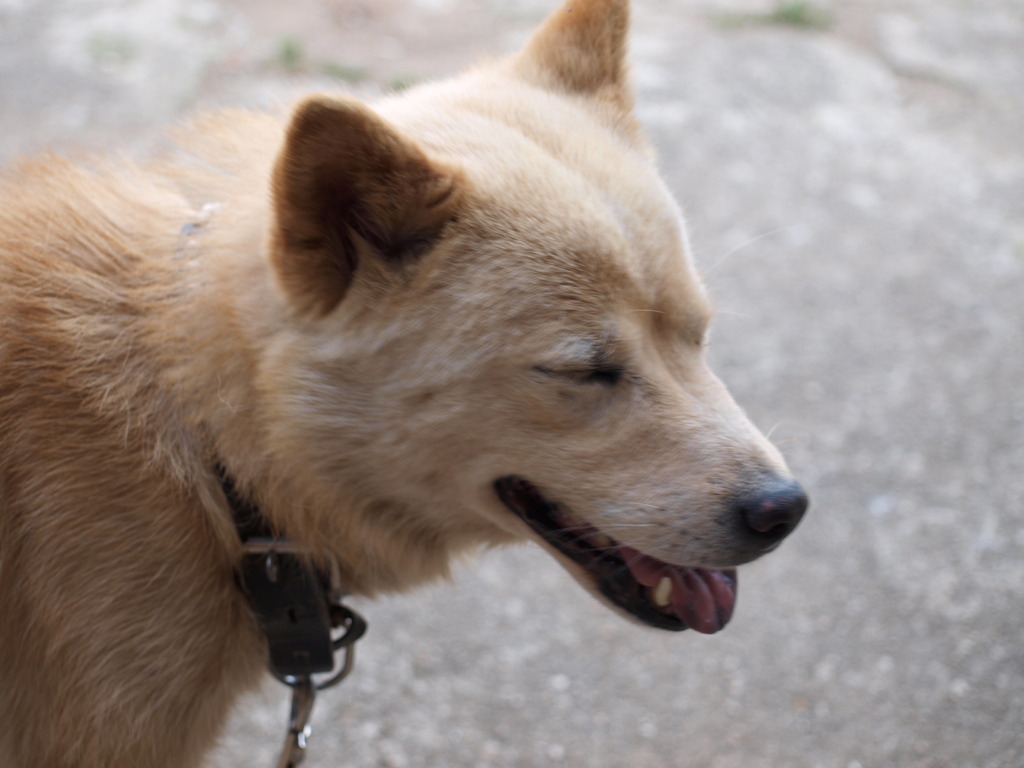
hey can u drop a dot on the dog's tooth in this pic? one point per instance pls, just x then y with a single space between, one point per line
662 593
600 540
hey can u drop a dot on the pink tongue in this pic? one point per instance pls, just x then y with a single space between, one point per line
702 598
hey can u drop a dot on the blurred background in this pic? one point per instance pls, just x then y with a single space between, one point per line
853 175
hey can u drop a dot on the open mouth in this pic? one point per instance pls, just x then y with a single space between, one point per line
665 596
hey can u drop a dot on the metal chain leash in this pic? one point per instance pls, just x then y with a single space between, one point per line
304 687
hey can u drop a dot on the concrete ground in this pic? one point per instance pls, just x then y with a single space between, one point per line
853 174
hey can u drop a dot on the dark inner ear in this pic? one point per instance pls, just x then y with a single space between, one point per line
404 238
347 187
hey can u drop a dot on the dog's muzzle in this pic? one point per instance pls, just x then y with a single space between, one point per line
659 594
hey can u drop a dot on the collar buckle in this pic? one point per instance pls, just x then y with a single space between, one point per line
301 613
299 609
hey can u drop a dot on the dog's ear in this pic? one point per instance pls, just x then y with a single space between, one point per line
581 48
348 187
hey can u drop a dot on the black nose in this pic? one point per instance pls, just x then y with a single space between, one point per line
772 511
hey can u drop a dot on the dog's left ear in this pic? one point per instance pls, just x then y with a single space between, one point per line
348 187
581 49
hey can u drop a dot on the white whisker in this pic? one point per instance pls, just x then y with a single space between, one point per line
731 313
741 246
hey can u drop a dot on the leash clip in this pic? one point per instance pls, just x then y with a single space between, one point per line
303 698
299 609
304 687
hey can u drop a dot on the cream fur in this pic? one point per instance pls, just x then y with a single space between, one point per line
365 379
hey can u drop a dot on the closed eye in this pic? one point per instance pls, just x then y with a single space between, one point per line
604 374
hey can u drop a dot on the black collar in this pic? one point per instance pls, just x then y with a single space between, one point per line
248 520
295 603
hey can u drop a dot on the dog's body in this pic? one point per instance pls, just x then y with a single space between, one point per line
461 318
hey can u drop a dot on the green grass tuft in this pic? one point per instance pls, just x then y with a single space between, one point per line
402 83
345 72
291 56
797 14
802 15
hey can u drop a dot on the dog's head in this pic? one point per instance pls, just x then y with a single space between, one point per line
498 332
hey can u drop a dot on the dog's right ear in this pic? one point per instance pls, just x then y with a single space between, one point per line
348 187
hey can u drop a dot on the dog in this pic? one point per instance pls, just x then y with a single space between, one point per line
464 316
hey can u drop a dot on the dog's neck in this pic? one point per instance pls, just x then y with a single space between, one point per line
232 317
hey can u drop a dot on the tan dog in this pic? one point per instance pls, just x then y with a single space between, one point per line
465 316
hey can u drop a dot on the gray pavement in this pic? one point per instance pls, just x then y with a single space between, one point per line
855 190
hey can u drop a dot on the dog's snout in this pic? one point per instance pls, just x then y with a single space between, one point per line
772 511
